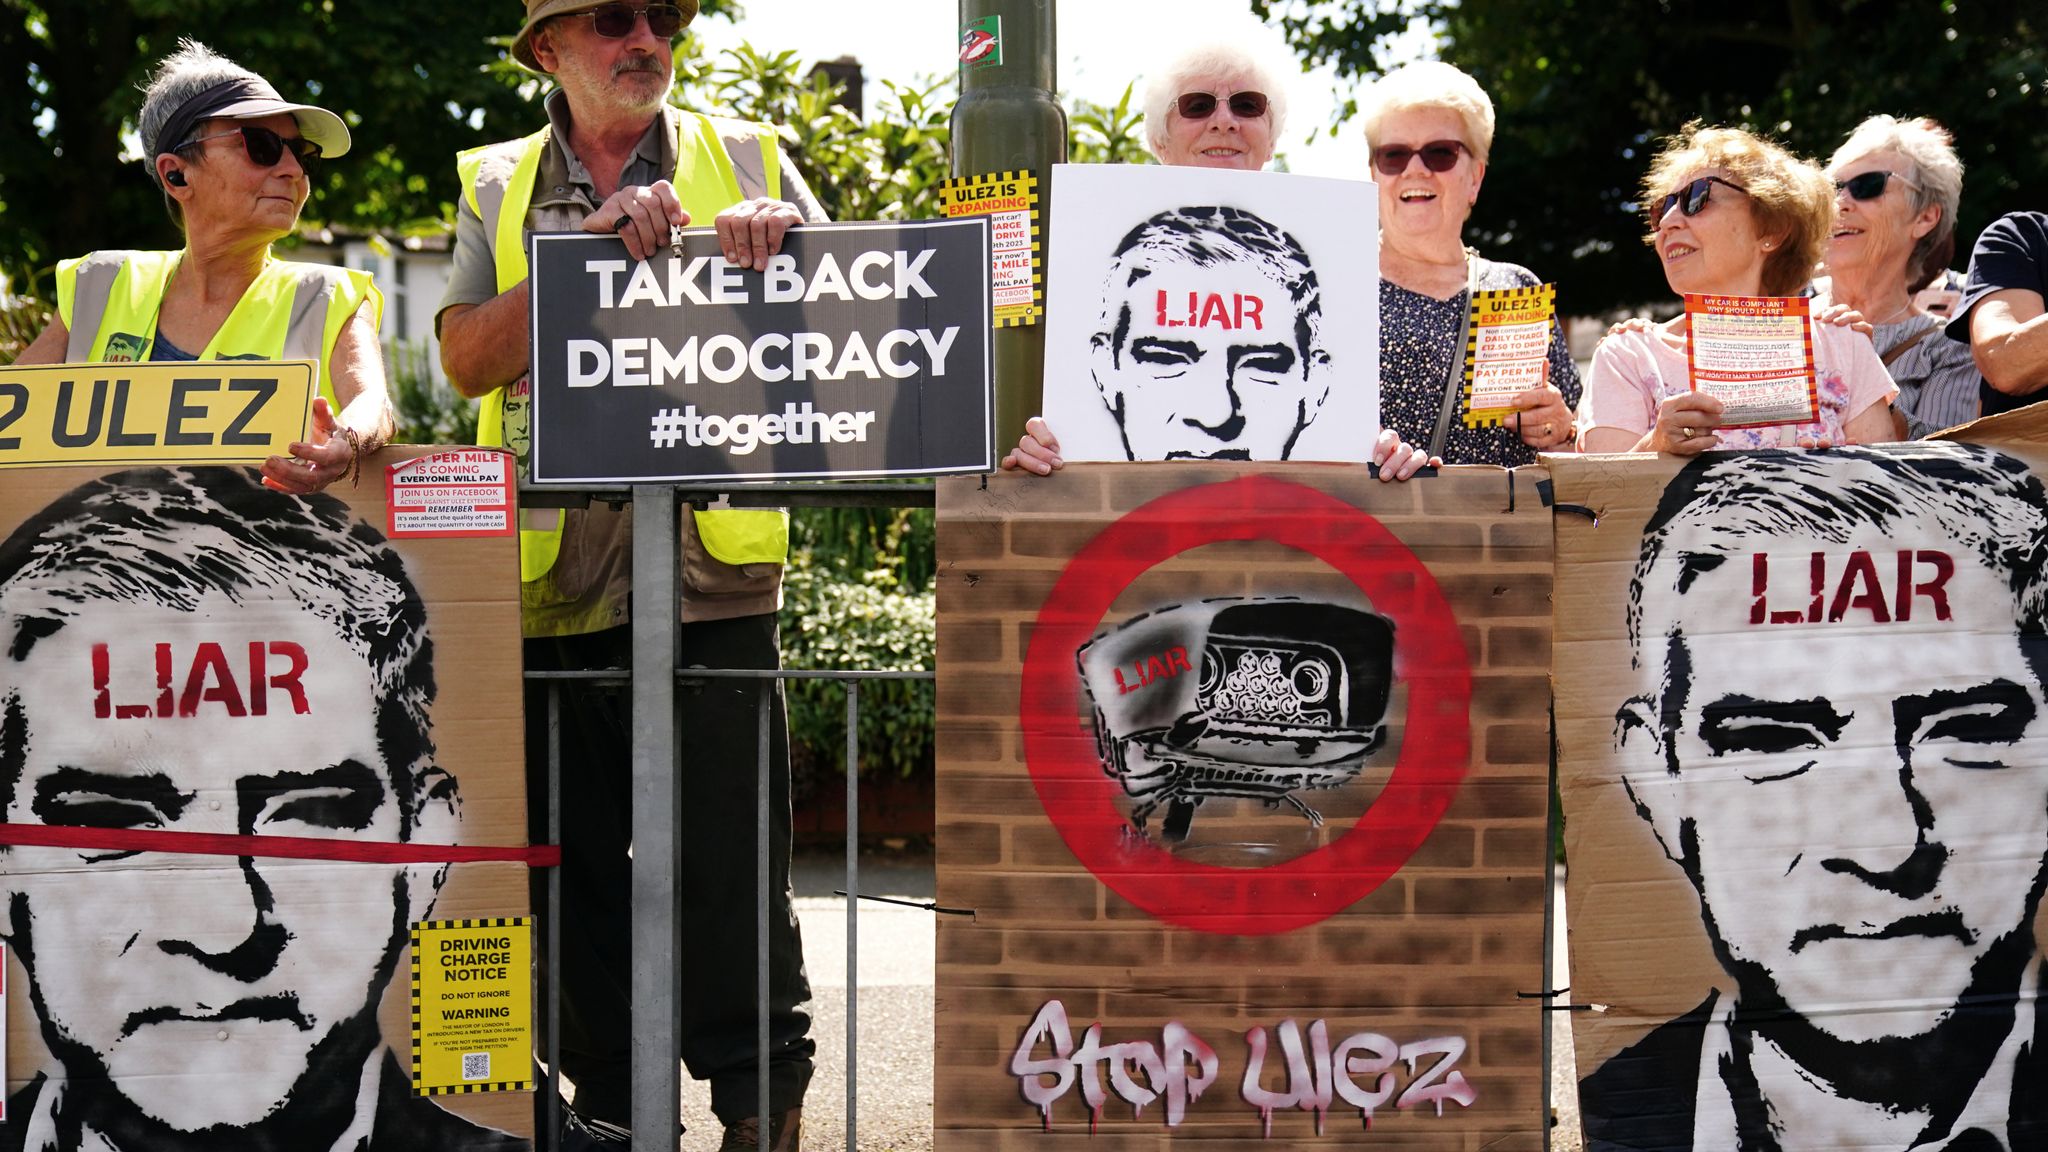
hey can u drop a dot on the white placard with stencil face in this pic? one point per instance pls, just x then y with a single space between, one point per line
1205 314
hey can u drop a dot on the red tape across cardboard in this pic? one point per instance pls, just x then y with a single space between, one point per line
274 847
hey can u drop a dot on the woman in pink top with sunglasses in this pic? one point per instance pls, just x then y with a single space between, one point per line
1731 214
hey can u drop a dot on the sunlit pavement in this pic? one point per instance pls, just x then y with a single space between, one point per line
895 1098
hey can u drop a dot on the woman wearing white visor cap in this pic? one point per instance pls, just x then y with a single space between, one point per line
233 160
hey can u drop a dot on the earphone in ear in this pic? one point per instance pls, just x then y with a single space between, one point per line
175 178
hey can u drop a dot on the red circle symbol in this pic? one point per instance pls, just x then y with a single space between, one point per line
1430 658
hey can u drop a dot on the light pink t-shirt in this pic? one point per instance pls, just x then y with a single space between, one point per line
1634 372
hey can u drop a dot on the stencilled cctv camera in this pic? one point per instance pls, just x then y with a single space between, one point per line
1249 697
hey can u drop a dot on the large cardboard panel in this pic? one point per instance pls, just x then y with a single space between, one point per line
1799 717
1228 630
184 653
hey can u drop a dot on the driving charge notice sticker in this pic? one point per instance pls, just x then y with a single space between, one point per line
472 1006
464 492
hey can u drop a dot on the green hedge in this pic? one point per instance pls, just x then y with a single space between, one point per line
859 594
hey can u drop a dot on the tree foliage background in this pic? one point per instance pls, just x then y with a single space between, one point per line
1583 89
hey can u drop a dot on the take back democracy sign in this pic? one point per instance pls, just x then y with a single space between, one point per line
862 350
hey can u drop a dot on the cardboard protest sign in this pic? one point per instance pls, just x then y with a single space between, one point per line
1800 723
1243 776
246 743
1200 313
204 412
1755 355
862 350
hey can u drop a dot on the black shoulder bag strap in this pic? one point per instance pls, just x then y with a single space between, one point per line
1454 385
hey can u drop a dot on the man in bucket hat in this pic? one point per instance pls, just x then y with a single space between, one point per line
615 157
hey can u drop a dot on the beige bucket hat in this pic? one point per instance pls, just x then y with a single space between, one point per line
540 10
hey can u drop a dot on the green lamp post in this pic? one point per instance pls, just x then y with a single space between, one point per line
1008 120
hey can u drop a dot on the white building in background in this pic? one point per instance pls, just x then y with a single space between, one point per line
412 272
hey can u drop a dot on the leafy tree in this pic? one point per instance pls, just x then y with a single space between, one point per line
860 594
1584 88
1107 133
415 82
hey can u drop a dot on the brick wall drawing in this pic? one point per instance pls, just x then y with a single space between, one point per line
1114 987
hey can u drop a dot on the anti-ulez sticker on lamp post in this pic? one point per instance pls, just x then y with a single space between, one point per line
1505 353
1755 355
472 1006
1016 261
981 43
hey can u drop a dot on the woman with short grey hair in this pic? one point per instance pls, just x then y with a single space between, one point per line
1430 130
1221 104
1897 185
234 160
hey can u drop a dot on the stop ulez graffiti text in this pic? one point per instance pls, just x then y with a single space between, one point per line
1360 1071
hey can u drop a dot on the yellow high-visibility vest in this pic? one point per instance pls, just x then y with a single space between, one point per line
109 303
707 185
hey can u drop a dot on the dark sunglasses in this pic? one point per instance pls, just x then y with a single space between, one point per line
1870 185
1437 156
1691 198
1202 105
615 21
266 148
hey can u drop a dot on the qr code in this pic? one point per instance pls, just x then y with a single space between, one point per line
476 1065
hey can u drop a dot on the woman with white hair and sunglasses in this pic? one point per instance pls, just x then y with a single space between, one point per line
1897 184
1219 104
1216 105
1430 129
234 161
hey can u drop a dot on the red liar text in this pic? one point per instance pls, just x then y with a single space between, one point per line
1856 582
208 678
1210 310
1164 666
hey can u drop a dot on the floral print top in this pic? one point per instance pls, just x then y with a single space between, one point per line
1418 341
1634 372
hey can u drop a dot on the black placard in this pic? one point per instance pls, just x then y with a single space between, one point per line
863 350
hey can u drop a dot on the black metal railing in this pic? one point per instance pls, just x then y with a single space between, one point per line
653 676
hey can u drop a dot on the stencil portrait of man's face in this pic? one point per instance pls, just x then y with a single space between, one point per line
166 665
1854 778
160 968
1208 348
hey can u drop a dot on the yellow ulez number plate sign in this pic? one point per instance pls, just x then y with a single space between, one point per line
472 1005
205 412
